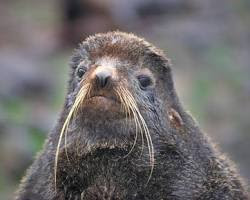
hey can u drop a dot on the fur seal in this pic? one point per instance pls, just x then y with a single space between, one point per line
123 133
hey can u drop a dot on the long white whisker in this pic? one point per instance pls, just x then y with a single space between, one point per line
147 134
79 98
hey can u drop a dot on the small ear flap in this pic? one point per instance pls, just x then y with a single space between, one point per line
175 118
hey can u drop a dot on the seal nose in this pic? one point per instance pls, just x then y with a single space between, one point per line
103 78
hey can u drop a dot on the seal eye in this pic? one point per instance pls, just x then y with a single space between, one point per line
80 72
144 80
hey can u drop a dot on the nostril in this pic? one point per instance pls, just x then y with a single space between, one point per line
102 78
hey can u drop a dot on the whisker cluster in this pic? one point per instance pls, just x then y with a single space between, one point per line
130 106
81 95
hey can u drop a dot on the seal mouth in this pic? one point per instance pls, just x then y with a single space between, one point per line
103 103
102 98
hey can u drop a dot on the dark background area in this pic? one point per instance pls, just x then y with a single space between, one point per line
208 42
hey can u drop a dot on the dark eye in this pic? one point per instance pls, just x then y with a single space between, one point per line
80 72
144 80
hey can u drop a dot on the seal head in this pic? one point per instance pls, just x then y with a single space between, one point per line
123 133
120 88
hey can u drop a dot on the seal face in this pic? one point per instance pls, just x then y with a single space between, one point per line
123 133
112 83
113 102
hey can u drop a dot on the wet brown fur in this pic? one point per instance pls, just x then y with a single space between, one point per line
106 153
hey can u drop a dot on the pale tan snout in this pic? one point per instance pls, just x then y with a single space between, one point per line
103 76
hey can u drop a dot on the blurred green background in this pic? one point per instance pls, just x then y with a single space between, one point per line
208 42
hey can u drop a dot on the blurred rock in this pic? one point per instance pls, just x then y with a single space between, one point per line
82 18
22 76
